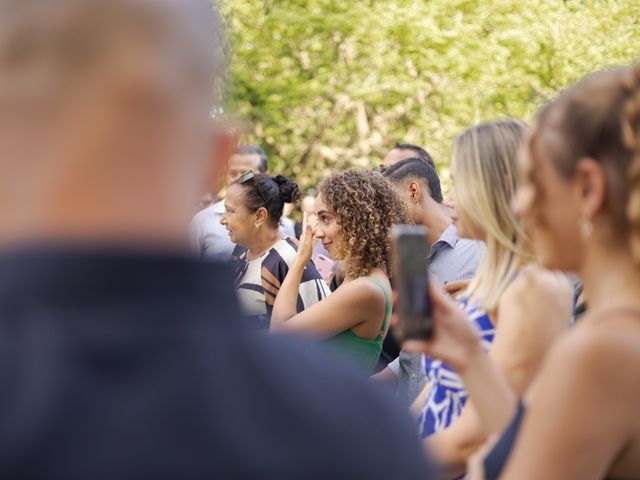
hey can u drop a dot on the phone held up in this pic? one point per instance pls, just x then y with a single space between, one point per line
410 251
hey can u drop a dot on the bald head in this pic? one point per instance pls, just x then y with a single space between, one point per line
104 114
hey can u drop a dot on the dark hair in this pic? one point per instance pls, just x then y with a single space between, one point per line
246 149
417 168
419 151
264 191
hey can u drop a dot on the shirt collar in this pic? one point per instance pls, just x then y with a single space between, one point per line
449 236
218 207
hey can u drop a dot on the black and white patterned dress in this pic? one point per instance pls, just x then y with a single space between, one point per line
258 281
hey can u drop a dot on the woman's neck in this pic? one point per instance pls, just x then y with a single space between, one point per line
610 278
263 241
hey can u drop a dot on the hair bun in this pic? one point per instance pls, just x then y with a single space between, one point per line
289 191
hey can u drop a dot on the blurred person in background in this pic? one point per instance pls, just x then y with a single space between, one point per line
308 206
209 236
517 308
580 199
112 333
451 258
354 211
263 255
206 200
402 151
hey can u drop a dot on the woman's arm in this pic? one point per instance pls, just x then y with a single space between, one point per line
534 311
418 404
350 305
345 308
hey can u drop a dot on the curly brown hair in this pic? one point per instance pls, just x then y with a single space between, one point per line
365 205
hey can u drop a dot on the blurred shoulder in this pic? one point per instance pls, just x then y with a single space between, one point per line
603 347
209 213
342 404
539 282
614 331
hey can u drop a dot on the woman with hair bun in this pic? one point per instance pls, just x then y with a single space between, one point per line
354 210
263 255
580 200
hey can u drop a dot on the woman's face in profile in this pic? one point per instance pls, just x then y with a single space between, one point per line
465 227
547 205
327 229
237 218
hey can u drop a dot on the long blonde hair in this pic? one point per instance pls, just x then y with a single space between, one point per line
484 164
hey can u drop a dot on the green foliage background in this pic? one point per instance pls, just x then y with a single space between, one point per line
328 84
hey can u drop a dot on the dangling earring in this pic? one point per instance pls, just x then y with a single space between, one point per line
586 229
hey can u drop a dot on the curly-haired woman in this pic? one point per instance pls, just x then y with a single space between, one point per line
355 210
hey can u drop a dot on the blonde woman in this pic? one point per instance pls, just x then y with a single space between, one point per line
518 309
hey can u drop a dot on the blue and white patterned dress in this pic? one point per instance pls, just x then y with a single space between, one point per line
447 394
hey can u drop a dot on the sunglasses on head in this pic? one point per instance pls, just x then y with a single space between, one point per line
246 176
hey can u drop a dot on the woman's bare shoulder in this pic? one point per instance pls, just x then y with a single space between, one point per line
607 345
363 291
537 293
535 280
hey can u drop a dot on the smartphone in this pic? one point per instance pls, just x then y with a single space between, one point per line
324 265
410 251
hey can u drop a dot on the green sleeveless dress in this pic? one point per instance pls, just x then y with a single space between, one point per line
362 352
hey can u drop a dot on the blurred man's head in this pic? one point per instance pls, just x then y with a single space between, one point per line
246 157
402 151
104 117
308 204
418 185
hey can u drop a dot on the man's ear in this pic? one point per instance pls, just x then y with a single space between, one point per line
415 192
224 143
592 185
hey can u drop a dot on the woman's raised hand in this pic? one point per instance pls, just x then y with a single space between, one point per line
307 240
454 340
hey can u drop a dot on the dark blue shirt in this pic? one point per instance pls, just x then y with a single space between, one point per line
117 366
